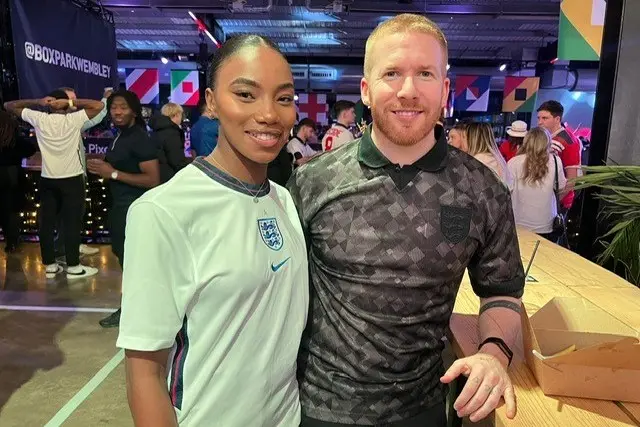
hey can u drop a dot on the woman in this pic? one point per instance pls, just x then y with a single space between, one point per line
532 194
215 288
169 138
130 165
458 136
481 144
516 133
12 150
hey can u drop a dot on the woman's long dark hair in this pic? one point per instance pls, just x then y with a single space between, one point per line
132 101
8 127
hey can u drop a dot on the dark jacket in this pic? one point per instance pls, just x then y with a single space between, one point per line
169 138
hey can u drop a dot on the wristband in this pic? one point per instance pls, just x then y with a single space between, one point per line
501 345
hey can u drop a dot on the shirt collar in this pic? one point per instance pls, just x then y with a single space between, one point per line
433 161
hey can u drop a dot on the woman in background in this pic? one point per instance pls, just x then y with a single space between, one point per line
458 136
481 144
534 170
515 133
13 149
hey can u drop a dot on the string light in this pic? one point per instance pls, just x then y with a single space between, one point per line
97 205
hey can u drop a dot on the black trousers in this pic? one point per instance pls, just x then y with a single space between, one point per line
59 239
431 417
65 198
9 194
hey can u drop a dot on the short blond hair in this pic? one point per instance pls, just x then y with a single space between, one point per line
403 24
171 109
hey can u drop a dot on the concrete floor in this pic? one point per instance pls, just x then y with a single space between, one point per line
46 357
51 346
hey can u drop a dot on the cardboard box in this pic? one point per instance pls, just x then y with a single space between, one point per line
605 363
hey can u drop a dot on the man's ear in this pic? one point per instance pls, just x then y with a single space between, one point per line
364 92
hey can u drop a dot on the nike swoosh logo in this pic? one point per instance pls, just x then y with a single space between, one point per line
277 267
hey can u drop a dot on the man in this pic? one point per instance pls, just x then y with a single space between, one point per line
62 178
84 249
392 221
298 146
564 144
339 133
204 133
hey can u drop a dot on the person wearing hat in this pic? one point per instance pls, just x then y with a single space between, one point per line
516 133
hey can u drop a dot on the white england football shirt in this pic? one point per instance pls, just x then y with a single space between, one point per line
222 281
58 136
336 136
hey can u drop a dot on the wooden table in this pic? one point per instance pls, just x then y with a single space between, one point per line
558 273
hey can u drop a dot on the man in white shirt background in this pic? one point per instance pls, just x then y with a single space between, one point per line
59 245
62 187
298 145
340 133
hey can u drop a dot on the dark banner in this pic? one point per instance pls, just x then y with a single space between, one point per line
60 44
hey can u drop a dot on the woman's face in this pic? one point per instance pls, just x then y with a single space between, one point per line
253 100
458 140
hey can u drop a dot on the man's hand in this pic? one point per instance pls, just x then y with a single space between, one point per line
46 101
107 93
487 382
59 104
100 168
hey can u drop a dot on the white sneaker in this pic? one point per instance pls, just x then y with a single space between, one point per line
52 270
80 272
88 250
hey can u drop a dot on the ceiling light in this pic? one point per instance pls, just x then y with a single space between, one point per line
448 67
503 67
164 60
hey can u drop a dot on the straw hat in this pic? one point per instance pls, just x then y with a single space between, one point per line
518 129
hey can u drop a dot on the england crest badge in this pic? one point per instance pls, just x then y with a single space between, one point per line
270 233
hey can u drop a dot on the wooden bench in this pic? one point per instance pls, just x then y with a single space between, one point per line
557 272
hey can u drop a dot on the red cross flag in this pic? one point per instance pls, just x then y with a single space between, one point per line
313 106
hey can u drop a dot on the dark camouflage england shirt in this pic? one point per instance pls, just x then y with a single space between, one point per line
388 247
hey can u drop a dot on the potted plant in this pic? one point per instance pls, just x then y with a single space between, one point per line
620 195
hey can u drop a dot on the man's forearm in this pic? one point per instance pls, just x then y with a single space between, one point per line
500 317
88 104
142 180
149 400
14 106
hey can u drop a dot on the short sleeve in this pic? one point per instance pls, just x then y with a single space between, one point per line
496 268
571 154
78 119
293 148
145 149
33 117
158 279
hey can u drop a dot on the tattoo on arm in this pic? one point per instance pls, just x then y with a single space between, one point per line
502 304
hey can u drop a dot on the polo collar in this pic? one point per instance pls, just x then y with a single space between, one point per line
432 161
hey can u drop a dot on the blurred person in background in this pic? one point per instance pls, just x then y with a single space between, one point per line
131 167
536 170
458 136
340 132
298 146
204 133
62 183
481 144
13 149
515 137
168 137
